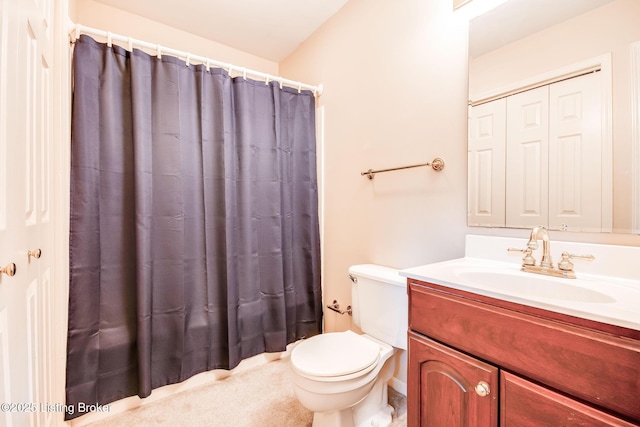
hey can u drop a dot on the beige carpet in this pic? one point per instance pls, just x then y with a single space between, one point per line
261 396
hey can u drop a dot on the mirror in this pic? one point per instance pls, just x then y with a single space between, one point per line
536 44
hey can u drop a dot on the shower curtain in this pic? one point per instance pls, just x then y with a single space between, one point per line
194 238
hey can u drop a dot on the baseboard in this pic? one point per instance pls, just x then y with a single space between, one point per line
397 385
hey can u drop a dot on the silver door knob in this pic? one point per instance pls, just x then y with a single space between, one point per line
483 389
34 254
9 269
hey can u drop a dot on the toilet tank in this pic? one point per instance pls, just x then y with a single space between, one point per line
379 303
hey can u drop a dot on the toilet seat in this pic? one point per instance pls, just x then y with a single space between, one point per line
335 354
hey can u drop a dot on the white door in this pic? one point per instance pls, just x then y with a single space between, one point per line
527 158
486 160
575 154
25 212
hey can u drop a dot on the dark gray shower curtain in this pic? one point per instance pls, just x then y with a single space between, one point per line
194 222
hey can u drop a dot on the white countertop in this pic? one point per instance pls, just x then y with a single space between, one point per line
607 289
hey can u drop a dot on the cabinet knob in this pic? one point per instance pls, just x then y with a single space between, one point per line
9 269
483 389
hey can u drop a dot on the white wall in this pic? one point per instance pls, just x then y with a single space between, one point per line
395 90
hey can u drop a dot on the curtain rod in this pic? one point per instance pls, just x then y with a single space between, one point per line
76 29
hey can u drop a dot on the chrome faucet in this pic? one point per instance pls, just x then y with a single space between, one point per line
565 267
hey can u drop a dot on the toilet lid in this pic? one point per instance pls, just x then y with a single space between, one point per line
334 354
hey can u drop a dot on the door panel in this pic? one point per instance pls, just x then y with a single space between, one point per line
6 385
527 158
26 347
575 154
3 118
486 160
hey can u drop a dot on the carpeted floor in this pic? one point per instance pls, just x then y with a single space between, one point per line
261 396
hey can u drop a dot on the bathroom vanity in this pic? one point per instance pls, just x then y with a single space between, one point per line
486 357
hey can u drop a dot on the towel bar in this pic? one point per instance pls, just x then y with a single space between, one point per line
437 165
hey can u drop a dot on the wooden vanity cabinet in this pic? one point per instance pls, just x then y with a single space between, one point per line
479 361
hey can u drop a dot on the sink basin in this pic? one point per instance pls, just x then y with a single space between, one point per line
528 286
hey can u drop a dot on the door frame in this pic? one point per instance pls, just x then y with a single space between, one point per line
635 135
61 196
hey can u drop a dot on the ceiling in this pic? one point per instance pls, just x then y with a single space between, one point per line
273 29
516 19
270 29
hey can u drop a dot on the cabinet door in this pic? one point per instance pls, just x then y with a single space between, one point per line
525 404
442 387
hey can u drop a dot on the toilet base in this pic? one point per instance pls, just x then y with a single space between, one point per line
357 416
342 418
373 410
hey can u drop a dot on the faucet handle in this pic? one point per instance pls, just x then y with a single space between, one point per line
566 264
528 258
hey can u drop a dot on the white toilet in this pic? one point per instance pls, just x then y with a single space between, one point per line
342 376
